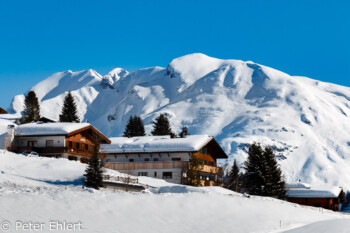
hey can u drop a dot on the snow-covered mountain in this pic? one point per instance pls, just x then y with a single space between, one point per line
306 121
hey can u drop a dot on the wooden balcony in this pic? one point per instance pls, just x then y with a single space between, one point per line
212 169
159 165
145 165
80 152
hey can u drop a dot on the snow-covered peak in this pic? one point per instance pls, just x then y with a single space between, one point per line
66 81
113 76
58 84
192 67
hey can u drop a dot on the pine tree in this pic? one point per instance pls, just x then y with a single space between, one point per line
193 171
233 178
134 127
31 111
161 126
184 132
263 176
254 166
69 110
93 173
275 185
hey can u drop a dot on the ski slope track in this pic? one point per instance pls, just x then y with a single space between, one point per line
307 122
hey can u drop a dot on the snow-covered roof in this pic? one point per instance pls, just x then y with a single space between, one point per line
190 143
307 191
38 128
297 185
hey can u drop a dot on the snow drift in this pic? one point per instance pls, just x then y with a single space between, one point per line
47 189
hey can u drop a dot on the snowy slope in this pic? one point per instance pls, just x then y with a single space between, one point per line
306 121
47 189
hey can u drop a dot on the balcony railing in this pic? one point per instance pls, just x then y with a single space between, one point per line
146 165
81 152
159 165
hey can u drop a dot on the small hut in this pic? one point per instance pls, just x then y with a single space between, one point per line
328 197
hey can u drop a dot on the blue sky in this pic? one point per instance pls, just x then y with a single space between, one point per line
38 38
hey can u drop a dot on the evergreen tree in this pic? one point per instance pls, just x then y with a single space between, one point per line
275 185
233 178
193 171
31 111
263 176
69 110
254 166
161 126
93 173
184 132
134 127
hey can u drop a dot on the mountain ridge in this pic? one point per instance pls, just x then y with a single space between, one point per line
306 121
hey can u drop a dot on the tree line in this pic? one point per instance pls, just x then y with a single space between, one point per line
69 113
262 175
31 112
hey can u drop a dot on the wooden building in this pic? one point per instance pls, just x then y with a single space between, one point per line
324 197
164 157
2 111
75 141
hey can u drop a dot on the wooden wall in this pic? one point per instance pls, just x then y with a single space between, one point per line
327 203
79 139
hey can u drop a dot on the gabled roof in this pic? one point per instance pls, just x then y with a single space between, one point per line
64 129
148 144
297 185
46 120
307 191
2 111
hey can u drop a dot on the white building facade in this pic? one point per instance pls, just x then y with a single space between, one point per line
163 157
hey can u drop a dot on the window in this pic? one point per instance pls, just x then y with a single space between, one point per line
204 150
146 159
72 158
176 159
143 174
155 174
49 143
167 175
70 144
32 143
155 159
86 146
77 145
84 160
131 160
